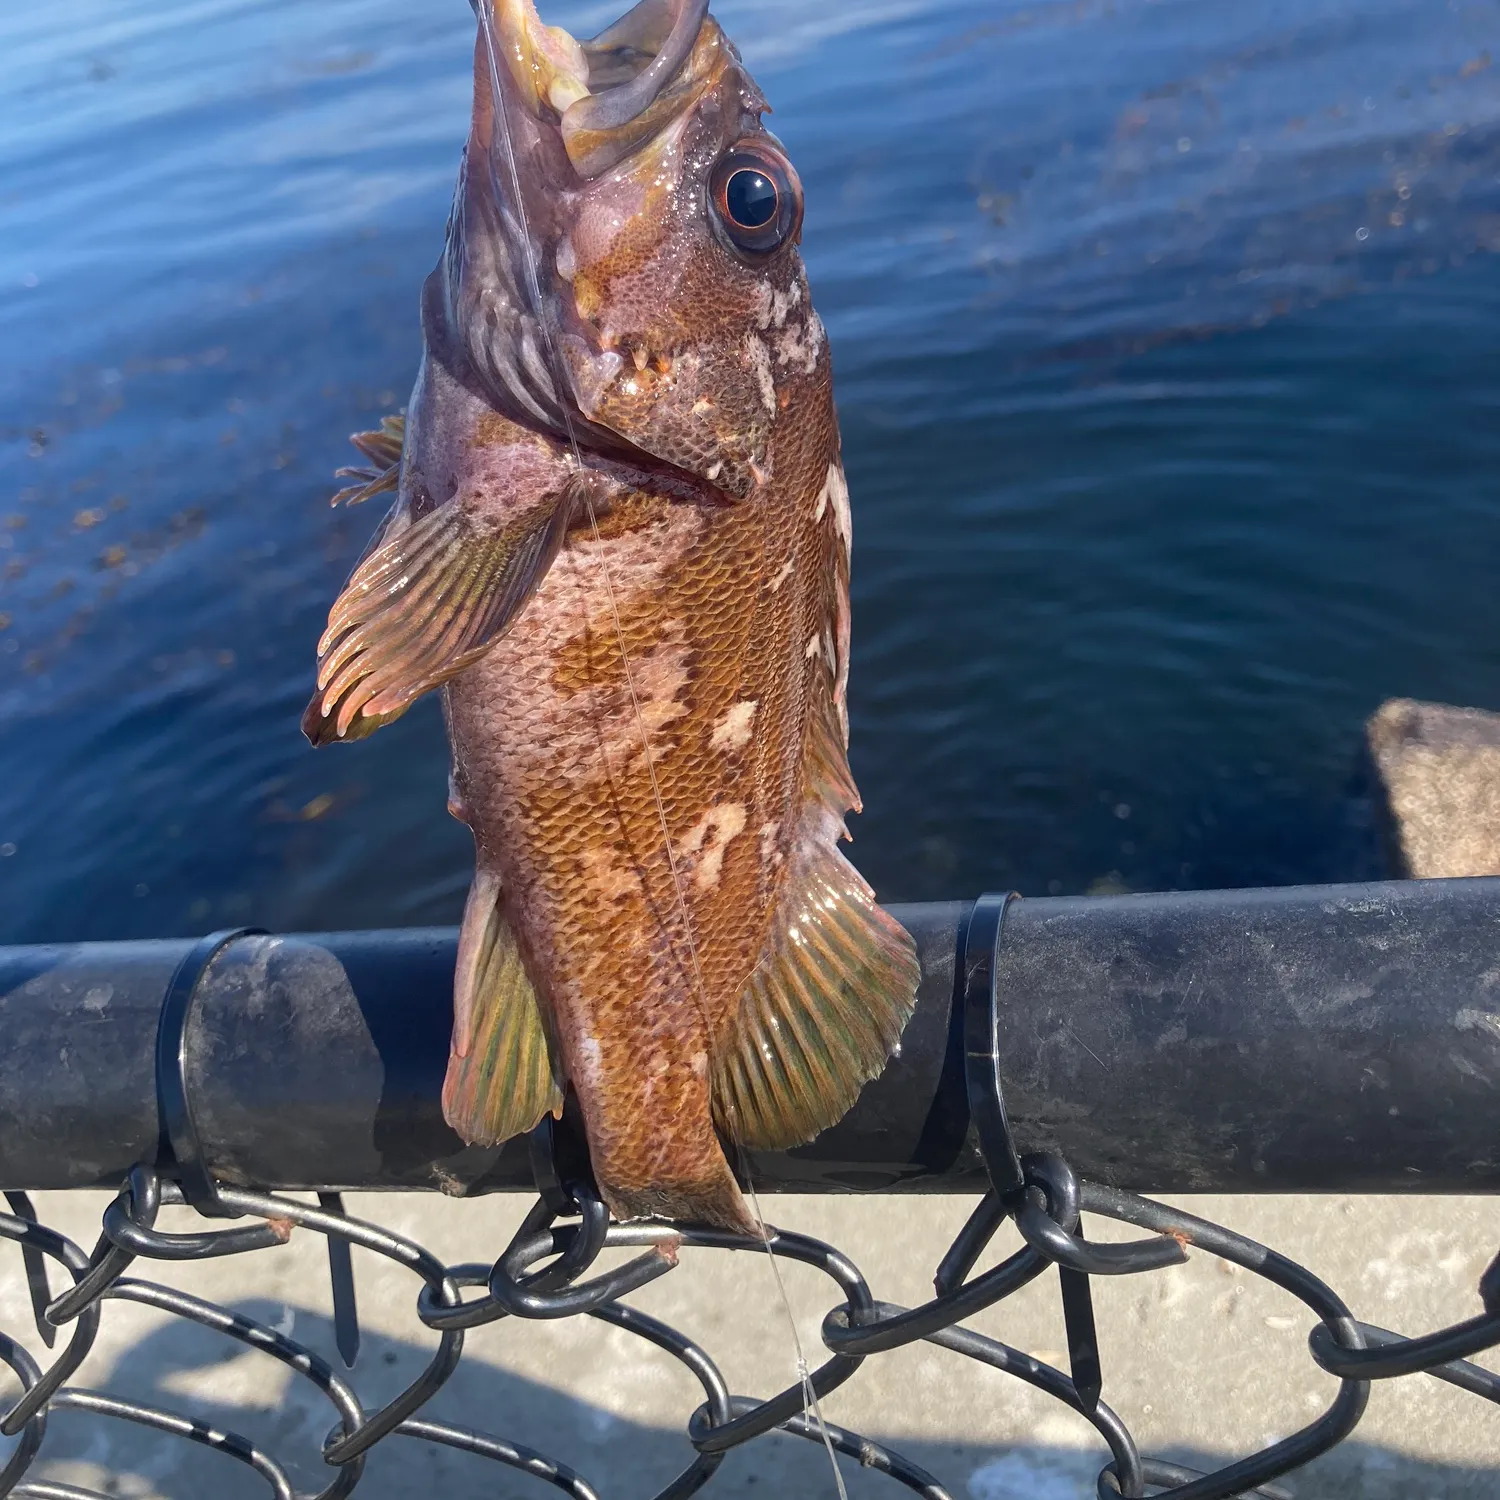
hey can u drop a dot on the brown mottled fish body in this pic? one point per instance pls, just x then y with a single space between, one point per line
621 539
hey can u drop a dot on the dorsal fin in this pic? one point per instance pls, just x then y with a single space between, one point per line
383 448
501 1076
835 985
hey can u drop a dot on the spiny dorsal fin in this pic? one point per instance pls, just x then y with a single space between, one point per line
501 1078
834 988
383 448
426 602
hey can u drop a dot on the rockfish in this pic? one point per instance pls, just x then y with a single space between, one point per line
620 544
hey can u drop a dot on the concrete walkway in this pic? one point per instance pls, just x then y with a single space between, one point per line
1204 1361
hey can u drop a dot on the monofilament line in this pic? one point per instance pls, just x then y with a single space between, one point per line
498 118
559 379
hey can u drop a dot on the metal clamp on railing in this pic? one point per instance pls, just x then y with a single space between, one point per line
1045 1198
1043 1195
180 1153
979 996
129 1222
1050 1221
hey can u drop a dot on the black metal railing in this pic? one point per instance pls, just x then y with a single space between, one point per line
1064 1056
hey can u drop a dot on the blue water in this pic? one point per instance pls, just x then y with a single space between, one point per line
1168 351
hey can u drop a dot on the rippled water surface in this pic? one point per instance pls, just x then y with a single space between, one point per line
1168 350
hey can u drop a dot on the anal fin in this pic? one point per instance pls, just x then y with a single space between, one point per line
501 1078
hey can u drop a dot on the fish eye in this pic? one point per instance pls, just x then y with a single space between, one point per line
756 197
750 197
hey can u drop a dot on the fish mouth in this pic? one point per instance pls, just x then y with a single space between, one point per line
601 91
568 111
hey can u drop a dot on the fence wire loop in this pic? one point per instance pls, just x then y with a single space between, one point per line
513 1291
542 1272
36 1392
1489 1286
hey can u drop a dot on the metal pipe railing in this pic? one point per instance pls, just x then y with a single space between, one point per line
1338 1038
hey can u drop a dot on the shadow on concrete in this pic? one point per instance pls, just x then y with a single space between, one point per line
193 1371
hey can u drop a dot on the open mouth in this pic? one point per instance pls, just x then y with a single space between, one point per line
597 89
604 100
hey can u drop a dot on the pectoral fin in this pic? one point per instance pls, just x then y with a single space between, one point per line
425 603
835 986
821 1014
501 1079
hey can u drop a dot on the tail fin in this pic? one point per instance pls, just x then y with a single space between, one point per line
715 1201
502 1077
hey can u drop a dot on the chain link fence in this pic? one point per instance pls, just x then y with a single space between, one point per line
549 1271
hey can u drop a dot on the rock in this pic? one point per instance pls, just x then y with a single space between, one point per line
1438 768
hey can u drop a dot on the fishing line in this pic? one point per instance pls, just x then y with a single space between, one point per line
811 1407
499 116
559 378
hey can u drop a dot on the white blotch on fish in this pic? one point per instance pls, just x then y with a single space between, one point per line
704 844
760 365
589 1058
798 345
773 307
606 877
769 837
835 491
732 731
